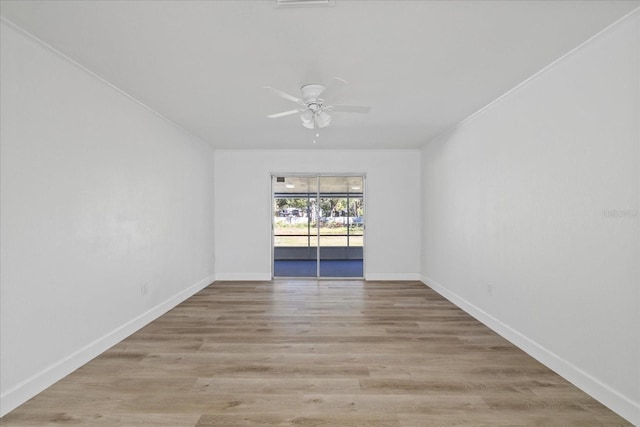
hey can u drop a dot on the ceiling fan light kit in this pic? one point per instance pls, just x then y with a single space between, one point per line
312 109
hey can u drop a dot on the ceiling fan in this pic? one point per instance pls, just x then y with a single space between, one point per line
312 109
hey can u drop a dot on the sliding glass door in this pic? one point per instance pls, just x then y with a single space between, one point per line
318 226
341 226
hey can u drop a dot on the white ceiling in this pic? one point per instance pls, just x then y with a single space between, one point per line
423 66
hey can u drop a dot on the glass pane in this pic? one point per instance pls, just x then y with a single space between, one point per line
341 213
295 237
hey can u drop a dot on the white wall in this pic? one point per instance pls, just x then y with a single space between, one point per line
243 207
530 216
100 199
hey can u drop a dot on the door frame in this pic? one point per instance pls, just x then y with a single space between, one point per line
364 225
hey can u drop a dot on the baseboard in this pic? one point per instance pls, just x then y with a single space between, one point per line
28 388
260 277
393 276
606 395
267 276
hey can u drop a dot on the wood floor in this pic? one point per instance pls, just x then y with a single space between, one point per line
308 353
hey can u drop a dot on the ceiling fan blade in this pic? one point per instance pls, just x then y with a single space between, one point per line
349 108
333 88
284 95
284 113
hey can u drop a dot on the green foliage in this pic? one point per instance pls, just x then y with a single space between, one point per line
330 206
291 203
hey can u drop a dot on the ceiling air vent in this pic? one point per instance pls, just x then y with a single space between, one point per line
308 3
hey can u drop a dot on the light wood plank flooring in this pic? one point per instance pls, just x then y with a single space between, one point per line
309 353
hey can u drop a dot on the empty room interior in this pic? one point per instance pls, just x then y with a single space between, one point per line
320 212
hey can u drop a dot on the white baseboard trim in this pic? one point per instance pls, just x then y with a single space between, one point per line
267 276
28 388
392 276
606 395
261 277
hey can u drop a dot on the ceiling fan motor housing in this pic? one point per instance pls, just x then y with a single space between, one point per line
310 93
